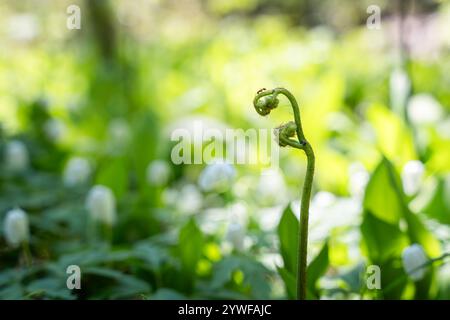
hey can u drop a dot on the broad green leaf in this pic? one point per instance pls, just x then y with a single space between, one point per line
190 246
288 235
113 174
382 239
381 197
317 268
255 275
290 282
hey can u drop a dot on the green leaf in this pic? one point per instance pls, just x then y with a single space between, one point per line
113 174
54 288
385 200
381 198
288 235
393 279
382 239
167 294
255 275
289 280
317 268
122 285
418 233
190 246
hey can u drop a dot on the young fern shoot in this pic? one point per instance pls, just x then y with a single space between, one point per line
264 102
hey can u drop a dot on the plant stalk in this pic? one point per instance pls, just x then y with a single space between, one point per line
303 227
284 140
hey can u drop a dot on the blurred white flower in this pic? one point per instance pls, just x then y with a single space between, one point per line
412 176
328 212
101 204
76 172
236 235
54 129
271 189
119 134
413 257
189 200
214 220
358 178
158 173
239 212
23 27
217 177
16 156
16 227
424 109
400 86
269 217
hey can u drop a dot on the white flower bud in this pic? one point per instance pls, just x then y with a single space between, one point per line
54 129
189 200
412 175
16 156
158 173
23 27
423 109
101 204
119 135
217 177
16 227
236 235
76 172
414 257
271 189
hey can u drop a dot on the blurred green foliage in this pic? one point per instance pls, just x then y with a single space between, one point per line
112 93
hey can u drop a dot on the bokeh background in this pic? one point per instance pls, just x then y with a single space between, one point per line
86 117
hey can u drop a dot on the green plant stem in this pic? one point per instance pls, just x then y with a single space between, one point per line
303 230
305 200
304 145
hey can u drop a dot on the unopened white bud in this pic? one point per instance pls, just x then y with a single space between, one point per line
101 204
158 173
236 235
412 175
423 109
217 177
76 172
16 227
413 258
54 129
16 156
